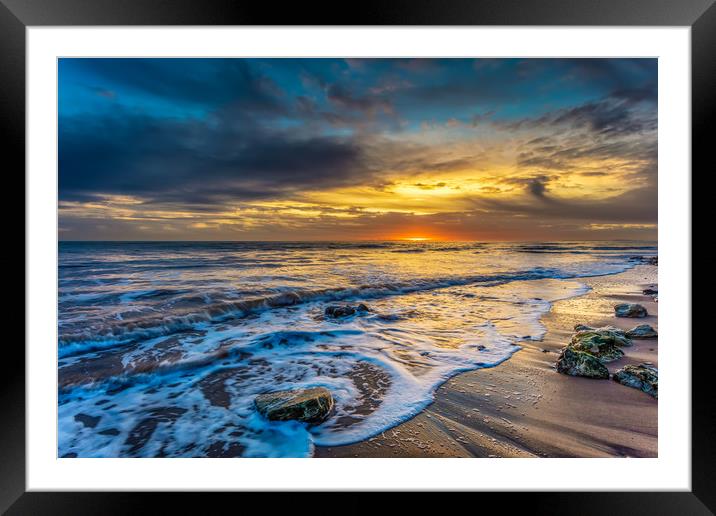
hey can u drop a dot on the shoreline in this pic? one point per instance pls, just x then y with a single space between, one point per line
524 408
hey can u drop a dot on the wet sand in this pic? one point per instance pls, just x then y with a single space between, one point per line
524 408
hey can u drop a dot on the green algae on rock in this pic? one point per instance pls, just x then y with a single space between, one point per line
619 335
580 363
308 405
643 377
602 344
589 349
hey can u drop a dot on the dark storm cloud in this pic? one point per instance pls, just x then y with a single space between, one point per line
196 162
621 113
606 117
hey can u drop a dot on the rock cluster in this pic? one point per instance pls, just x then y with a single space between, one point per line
589 349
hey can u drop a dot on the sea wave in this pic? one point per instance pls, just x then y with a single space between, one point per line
118 332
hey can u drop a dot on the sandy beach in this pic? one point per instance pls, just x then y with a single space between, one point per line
524 408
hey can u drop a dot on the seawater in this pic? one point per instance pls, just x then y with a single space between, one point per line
162 347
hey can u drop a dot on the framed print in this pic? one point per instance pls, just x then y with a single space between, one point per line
268 255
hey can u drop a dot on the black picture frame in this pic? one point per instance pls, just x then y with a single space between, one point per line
17 15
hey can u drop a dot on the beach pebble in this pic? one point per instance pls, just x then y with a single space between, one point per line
630 310
308 405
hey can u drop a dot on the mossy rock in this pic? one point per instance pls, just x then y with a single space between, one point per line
602 344
643 377
307 405
579 363
630 310
643 331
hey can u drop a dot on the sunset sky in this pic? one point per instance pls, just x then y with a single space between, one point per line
357 149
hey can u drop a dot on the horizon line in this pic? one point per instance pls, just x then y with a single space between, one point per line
364 240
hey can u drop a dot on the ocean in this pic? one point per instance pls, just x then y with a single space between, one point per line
163 346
